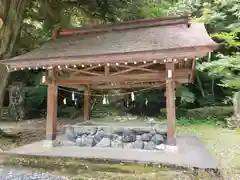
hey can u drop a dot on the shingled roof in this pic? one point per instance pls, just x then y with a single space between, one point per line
155 40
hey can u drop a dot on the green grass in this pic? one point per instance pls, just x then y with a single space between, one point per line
222 143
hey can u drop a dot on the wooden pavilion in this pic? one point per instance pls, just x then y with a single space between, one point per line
135 54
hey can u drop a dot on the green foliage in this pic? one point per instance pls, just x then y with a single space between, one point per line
186 95
154 9
226 67
214 112
223 17
180 112
185 7
231 38
188 121
36 97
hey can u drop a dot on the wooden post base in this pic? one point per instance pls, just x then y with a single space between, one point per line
173 149
171 141
167 148
51 136
50 143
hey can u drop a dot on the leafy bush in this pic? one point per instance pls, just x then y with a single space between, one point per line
212 112
187 121
35 101
180 112
35 97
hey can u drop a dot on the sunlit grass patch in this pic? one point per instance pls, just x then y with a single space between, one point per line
223 144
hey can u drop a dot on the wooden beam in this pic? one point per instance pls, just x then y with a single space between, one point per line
170 102
142 67
86 113
181 74
83 71
127 86
99 85
51 129
126 25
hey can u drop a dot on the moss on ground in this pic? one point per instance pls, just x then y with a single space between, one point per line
98 169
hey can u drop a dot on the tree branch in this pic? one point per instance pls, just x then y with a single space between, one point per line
1 23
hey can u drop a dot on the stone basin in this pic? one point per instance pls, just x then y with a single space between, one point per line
117 135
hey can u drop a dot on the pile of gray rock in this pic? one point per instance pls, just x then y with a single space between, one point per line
117 137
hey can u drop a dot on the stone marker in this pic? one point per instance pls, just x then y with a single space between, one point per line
160 129
117 143
88 141
128 145
128 136
149 145
70 134
157 139
138 144
79 141
140 131
105 142
146 137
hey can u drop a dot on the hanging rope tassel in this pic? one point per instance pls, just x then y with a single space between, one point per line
73 96
127 104
132 96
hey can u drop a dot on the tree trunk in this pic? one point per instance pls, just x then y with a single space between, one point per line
11 14
200 86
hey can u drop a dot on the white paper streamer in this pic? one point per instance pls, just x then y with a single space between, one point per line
43 79
104 100
73 96
64 101
132 96
107 100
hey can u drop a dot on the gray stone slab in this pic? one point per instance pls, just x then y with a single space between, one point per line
191 153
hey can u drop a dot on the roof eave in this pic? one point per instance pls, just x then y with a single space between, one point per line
129 57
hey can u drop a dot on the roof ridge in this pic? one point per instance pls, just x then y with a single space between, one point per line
123 26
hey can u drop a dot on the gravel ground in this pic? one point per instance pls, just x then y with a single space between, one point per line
23 174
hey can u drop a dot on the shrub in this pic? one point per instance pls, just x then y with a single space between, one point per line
212 112
187 121
180 112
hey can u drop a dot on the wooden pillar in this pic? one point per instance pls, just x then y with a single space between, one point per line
51 123
86 113
170 102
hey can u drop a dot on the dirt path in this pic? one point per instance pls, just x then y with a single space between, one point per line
28 132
